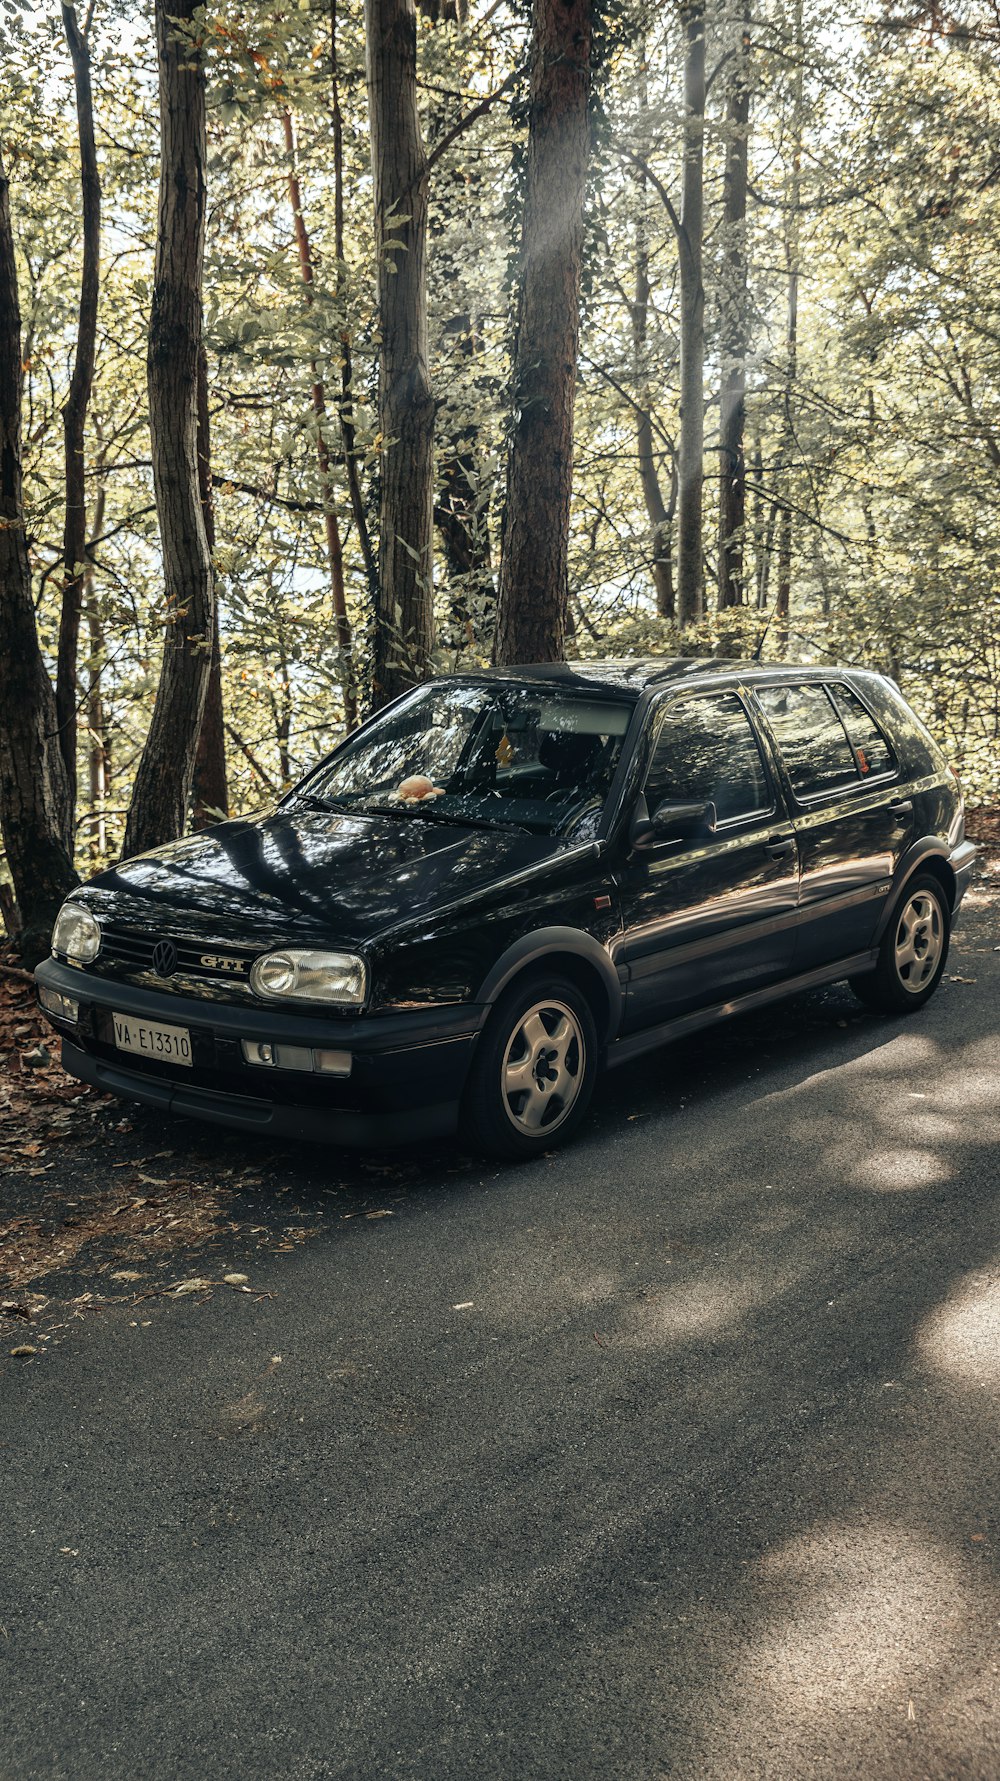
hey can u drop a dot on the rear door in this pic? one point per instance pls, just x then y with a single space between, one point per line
714 918
852 815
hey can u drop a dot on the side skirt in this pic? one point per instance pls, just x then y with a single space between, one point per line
623 1050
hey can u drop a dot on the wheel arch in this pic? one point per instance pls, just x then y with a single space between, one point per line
924 856
569 952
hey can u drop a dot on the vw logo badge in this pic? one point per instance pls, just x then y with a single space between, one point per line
164 958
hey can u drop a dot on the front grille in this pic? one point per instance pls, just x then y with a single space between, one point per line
135 952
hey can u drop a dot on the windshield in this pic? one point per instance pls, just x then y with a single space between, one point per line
483 753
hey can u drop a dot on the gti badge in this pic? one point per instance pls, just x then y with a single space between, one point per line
213 963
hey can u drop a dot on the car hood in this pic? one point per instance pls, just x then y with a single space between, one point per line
308 877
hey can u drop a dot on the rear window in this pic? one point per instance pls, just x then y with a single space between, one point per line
873 752
811 737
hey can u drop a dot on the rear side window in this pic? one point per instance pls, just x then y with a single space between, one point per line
706 752
811 737
873 751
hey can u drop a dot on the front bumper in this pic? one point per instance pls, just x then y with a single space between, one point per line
407 1076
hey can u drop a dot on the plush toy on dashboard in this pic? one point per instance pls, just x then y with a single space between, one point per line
417 787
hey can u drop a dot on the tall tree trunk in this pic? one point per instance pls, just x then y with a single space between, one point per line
534 589
691 468
404 613
735 330
166 768
75 410
660 516
334 546
347 429
210 786
786 450
34 791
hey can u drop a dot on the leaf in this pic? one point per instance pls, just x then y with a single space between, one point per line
197 1284
236 1279
25 1348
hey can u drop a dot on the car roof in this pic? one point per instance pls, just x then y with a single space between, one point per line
637 673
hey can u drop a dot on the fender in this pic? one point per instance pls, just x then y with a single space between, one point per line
929 847
540 944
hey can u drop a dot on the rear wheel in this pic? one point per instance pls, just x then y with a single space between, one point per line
913 952
534 1069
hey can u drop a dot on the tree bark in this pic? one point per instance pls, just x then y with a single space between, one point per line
660 516
404 612
347 430
166 768
786 449
735 330
690 573
334 545
75 410
533 593
34 792
210 786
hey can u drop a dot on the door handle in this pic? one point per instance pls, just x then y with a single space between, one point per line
901 807
779 849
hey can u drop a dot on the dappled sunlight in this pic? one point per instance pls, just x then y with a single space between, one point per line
853 1622
903 1171
961 1338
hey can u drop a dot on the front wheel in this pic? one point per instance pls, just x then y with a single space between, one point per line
534 1069
913 952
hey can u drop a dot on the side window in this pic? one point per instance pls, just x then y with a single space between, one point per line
869 744
706 752
811 738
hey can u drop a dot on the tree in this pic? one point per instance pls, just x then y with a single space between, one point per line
34 790
735 322
163 781
534 579
404 598
75 409
691 454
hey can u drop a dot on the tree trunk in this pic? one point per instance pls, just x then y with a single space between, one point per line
166 768
690 573
347 430
404 611
210 786
786 450
75 410
334 546
534 586
735 330
659 515
34 792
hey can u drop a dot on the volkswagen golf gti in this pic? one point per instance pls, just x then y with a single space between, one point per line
507 880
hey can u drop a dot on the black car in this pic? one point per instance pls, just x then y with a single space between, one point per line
505 880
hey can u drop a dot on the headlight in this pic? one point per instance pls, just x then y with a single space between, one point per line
311 976
76 934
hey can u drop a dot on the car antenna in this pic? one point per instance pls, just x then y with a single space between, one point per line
760 641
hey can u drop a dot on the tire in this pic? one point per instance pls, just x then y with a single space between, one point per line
913 952
534 1069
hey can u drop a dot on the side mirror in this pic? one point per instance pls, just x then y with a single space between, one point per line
674 822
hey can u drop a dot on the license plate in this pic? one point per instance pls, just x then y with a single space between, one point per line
146 1038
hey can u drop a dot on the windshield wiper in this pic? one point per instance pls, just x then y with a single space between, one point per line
317 802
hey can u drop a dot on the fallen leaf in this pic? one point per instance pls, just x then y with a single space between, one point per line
187 1286
24 1349
236 1279
126 1274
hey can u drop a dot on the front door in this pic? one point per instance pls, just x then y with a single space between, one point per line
853 818
708 920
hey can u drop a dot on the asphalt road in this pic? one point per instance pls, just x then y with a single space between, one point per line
675 1454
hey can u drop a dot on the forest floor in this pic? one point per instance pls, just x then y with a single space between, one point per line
671 1454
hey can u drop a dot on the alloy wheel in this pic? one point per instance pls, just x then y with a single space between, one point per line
543 1068
919 941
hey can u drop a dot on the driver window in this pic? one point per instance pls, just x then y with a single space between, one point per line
706 752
